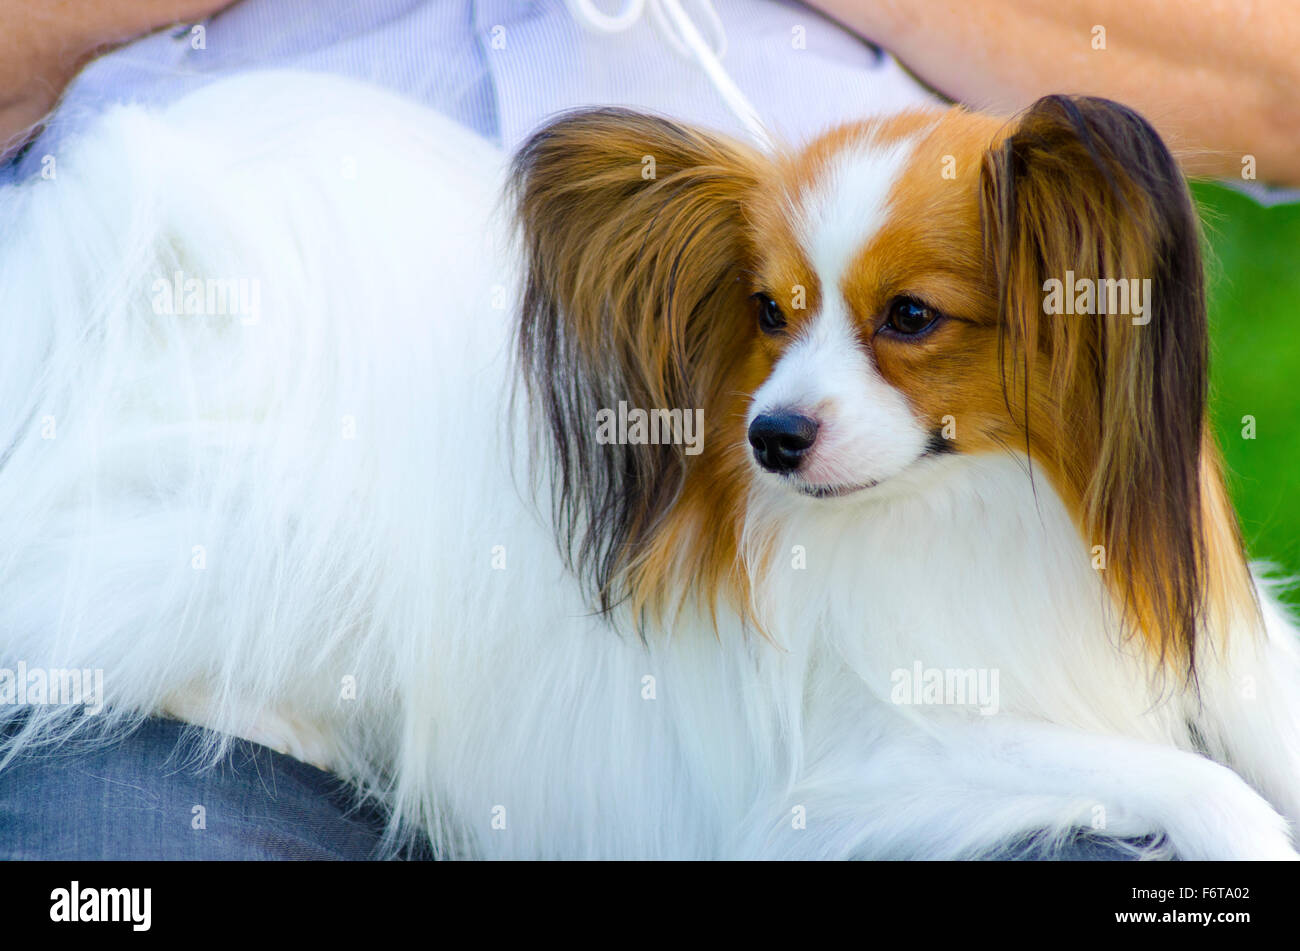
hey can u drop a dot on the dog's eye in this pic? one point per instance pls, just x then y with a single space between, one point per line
770 318
909 317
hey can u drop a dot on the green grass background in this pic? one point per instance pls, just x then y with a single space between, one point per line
1253 270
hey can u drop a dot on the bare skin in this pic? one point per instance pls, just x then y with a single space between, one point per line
44 44
1219 79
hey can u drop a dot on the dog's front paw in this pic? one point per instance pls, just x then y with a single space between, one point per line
1223 818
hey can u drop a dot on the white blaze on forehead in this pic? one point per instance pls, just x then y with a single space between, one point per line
848 204
867 429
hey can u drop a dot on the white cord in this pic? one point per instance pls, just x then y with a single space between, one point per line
718 46
680 32
587 13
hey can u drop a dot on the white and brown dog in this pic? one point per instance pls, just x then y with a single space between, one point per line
305 440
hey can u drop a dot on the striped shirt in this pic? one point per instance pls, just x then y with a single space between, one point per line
502 67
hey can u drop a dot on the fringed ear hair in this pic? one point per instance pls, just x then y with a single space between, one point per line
1093 240
633 232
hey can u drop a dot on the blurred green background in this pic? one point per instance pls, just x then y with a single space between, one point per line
1253 269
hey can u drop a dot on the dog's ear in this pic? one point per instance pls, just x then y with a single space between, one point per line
1084 190
634 237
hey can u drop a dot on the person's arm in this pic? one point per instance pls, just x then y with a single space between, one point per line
42 45
1218 79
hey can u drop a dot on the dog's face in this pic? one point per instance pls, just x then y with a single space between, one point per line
845 315
876 318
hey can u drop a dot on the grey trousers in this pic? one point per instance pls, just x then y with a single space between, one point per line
143 797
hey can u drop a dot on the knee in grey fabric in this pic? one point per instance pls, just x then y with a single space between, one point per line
146 796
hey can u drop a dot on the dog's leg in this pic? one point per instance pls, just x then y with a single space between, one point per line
970 791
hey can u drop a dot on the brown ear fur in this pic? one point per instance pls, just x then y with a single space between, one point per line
633 293
1114 409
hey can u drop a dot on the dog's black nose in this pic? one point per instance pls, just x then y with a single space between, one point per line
781 440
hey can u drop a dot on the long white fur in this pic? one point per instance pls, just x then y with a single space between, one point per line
348 468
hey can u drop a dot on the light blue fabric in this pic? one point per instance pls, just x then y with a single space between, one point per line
502 66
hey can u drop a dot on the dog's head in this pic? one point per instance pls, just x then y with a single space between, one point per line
849 316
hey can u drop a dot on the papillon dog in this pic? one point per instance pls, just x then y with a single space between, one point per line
645 494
